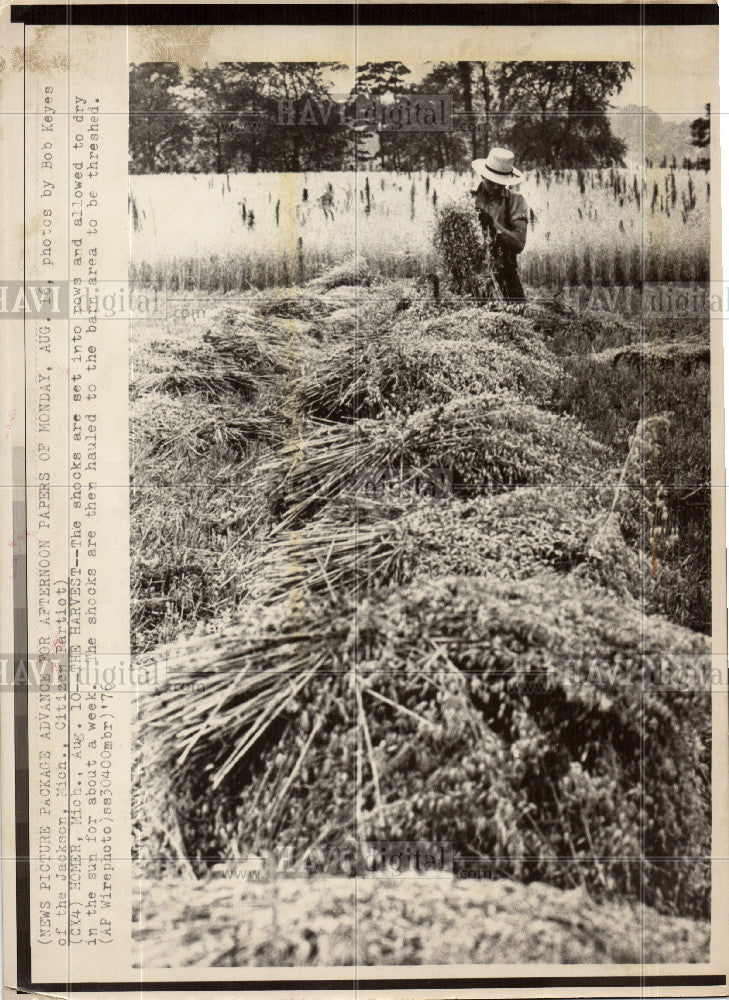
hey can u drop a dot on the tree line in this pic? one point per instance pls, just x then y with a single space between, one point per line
228 117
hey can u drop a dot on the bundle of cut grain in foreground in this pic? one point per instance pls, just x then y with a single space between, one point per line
524 722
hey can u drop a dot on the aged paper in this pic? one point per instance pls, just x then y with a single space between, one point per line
363 476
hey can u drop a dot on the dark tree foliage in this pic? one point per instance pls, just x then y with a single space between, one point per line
285 116
264 116
701 137
558 116
160 127
383 81
701 130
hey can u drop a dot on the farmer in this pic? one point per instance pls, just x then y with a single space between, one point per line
503 217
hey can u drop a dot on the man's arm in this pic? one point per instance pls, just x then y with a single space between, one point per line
514 238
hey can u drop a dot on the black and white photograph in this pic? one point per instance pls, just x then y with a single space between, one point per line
421 513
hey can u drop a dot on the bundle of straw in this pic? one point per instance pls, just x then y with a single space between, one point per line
294 304
247 678
473 323
258 347
348 380
171 436
354 549
404 373
492 703
432 370
233 358
213 382
460 248
472 443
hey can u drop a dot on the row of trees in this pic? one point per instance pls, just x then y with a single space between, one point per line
228 117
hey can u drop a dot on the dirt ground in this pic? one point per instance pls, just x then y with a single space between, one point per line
399 921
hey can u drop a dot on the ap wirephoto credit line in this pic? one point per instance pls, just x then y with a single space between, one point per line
367 561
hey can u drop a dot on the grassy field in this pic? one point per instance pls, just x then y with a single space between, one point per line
587 227
409 562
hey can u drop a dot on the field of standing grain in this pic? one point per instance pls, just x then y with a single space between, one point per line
613 226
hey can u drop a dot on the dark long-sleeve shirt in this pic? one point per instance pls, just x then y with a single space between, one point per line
513 237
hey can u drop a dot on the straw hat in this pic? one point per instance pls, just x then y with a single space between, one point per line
498 167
